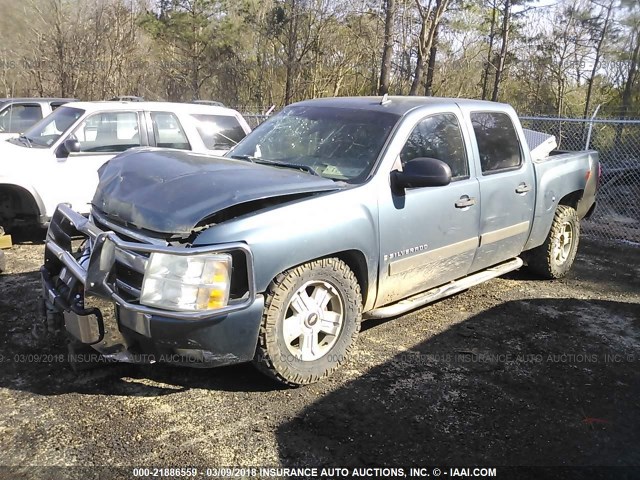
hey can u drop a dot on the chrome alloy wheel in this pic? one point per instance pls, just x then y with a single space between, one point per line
564 243
313 320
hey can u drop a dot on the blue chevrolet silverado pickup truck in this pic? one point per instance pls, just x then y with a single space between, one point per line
332 211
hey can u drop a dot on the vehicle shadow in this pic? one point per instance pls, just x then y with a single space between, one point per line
41 365
595 263
28 236
529 382
44 369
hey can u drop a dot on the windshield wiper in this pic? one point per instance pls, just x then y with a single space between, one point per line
296 166
248 158
227 138
26 140
275 163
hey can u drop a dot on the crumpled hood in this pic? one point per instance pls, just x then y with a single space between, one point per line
170 191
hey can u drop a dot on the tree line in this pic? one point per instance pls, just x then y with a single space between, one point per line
559 59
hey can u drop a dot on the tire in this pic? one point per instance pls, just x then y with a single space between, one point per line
310 322
554 258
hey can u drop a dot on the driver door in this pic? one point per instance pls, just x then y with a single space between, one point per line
100 136
429 235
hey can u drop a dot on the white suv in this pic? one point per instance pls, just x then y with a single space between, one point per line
57 160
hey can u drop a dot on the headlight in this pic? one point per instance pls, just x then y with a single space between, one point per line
186 283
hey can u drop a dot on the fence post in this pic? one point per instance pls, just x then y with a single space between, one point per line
595 112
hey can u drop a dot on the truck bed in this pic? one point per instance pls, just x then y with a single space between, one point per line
562 171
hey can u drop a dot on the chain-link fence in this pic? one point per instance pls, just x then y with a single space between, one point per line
255 115
617 216
255 119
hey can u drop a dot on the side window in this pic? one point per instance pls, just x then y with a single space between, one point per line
219 132
497 141
168 132
108 132
18 118
440 137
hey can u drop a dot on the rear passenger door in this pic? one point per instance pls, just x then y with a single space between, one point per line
507 183
166 131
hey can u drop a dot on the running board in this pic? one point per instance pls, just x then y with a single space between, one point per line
430 296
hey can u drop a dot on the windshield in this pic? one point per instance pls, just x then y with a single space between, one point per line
48 130
336 143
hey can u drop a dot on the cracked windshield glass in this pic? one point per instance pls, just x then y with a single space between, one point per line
339 144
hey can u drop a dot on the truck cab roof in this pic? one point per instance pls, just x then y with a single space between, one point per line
400 105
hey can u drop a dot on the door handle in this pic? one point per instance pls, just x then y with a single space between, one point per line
523 188
465 201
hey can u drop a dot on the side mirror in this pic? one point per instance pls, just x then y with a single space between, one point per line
422 172
71 145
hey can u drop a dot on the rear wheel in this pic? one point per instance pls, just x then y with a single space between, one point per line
554 258
310 323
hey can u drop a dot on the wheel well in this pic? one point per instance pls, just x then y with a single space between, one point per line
356 261
16 201
572 199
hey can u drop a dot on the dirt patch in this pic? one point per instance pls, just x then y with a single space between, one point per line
518 371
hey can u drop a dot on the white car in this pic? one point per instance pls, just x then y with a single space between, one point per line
57 160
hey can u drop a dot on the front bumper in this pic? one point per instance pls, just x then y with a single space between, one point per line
90 291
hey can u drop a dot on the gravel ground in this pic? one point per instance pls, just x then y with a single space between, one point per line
518 371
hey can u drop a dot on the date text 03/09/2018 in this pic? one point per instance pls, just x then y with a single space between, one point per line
351 472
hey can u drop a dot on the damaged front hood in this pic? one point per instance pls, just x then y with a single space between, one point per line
171 191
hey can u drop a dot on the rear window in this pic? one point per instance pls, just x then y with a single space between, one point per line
219 132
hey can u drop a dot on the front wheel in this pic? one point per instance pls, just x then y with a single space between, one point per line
310 323
554 258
